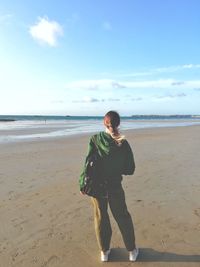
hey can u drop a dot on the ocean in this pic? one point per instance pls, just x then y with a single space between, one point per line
15 128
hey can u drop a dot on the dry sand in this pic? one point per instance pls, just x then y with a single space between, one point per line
45 222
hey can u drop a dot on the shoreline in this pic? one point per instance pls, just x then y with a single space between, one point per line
38 133
45 221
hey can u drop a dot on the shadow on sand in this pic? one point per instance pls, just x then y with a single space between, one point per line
151 255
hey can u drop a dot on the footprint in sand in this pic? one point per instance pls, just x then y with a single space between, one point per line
52 261
197 212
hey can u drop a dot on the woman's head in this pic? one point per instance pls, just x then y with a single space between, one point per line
112 121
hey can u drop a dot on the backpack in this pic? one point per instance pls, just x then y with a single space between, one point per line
94 183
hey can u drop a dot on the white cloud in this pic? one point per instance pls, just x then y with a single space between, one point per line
87 99
178 83
109 84
169 96
137 99
191 66
46 31
118 85
177 68
113 99
107 26
169 69
180 95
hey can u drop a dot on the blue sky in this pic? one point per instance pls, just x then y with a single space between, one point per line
87 57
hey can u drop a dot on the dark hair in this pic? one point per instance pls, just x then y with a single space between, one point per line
112 120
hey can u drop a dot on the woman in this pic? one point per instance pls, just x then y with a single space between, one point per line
117 159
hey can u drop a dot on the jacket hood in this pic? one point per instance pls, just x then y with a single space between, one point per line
105 143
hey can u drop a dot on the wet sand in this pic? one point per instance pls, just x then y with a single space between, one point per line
45 222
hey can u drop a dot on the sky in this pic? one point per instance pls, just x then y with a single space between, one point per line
87 57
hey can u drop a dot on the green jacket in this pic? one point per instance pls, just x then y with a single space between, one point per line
116 159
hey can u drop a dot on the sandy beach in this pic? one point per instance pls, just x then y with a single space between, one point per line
45 222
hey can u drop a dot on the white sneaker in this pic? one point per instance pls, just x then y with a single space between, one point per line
133 254
104 255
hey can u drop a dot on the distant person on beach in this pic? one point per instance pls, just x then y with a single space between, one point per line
117 160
